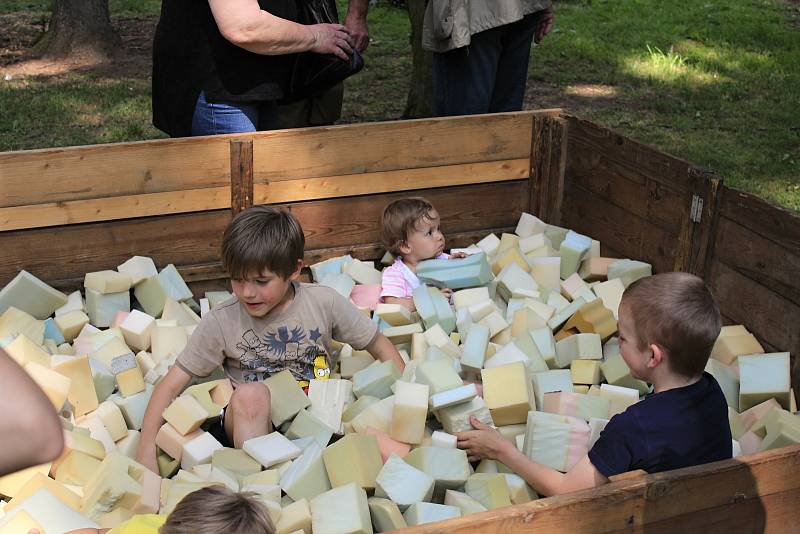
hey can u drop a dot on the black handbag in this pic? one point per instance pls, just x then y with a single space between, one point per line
314 73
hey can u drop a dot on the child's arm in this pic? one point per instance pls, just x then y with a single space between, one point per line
486 442
30 427
382 349
407 303
164 393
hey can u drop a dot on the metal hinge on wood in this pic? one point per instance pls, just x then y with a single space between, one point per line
697 209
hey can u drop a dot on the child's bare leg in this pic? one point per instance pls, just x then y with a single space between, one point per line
248 413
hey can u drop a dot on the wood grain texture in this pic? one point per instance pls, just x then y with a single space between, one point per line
626 234
548 164
711 494
697 237
378 147
241 175
121 169
764 218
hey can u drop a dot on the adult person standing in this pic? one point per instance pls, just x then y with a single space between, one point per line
220 66
481 50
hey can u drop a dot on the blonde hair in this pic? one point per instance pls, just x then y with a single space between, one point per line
400 217
217 509
677 312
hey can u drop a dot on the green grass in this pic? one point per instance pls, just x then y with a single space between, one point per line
715 82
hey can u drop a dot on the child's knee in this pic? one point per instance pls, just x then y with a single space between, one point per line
251 398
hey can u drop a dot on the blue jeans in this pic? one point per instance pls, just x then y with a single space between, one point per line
212 118
489 75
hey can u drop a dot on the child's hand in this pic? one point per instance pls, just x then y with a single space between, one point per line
458 255
484 442
447 293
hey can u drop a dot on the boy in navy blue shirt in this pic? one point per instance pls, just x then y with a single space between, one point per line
667 327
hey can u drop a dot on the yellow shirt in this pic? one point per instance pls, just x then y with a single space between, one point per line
140 524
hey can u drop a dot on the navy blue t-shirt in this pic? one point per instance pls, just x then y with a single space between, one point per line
675 428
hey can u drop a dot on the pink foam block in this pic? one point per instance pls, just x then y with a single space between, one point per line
749 417
149 502
578 444
750 442
387 445
366 296
170 440
118 318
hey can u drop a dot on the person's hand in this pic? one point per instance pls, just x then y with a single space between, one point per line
358 31
544 26
447 293
458 255
484 442
332 39
147 457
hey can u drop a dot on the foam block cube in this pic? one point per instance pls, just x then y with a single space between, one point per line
385 515
185 414
425 512
152 295
363 272
402 334
617 373
578 347
82 394
271 449
550 381
103 307
463 502
449 467
629 271
306 424
343 509
286 396
433 308
410 412
353 459
341 283
27 293
375 380
577 405
593 317
443 440
457 274
306 477
454 396
329 266
764 376
394 314
529 225
728 348
71 323
508 393
439 375
455 418
489 489
374 414
115 484
55 385
387 445
328 399
474 349
585 371
573 249
402 483
556 441
620 398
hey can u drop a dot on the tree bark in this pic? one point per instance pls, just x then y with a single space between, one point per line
420 93
80 29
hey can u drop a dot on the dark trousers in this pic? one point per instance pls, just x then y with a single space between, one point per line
489 75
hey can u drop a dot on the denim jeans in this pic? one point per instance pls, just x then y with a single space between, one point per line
212 118
489 75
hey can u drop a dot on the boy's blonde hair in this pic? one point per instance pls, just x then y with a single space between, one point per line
399 219
217 509
677 312
259 238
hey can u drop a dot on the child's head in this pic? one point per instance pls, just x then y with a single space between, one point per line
675 312
262 250
262 238
411 229
218 509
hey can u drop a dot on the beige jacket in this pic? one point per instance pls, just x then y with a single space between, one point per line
450 24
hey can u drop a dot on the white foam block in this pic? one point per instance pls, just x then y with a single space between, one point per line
271 449
29 294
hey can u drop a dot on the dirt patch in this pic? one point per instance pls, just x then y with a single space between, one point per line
576 99
23 30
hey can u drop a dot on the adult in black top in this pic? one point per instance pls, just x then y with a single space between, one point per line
233 55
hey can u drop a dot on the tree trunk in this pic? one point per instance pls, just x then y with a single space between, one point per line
80 29
420 93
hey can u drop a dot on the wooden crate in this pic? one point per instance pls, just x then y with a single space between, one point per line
68 211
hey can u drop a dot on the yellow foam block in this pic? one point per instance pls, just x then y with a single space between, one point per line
76 468
24 350
728 348
14 322
585 372
112 418
354 458
39 481
508 256
115 484
130 382
54 384
185 414
508 393
10 484
82 394
107 281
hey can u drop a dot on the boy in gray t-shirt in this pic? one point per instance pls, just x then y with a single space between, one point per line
273 323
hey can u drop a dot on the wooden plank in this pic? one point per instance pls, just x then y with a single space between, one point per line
767 314
695 243
762 260
122 169
558 165
636 503
630 158
67 252
378 147
764 218
389 181
617 228
548 164
241 175
109 209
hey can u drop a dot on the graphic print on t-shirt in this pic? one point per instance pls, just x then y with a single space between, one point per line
284 348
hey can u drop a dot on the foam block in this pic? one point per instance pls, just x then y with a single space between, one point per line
508 393
171 441
764 376
425 512
619 397
578 347
295 518
341 283
82 394
375 380
474 349
433 308
578 405
385 515
556 441
115 484
450 397
573 249
728 348
439 375
394 314
489 489
585 371
455 418
629 271
727 380
617 373
103 307
71 323
306 424
593 317
286 396
271 449
402 483
402 334
410 412
328 399
363 272
387 445
306 477
448 467
457 274
463 502
443 440
550 381
27 293
152 295
138 268
354 458
342 509
329 266
55 385
185 414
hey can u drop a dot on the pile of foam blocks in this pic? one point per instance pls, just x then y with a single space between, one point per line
533 319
